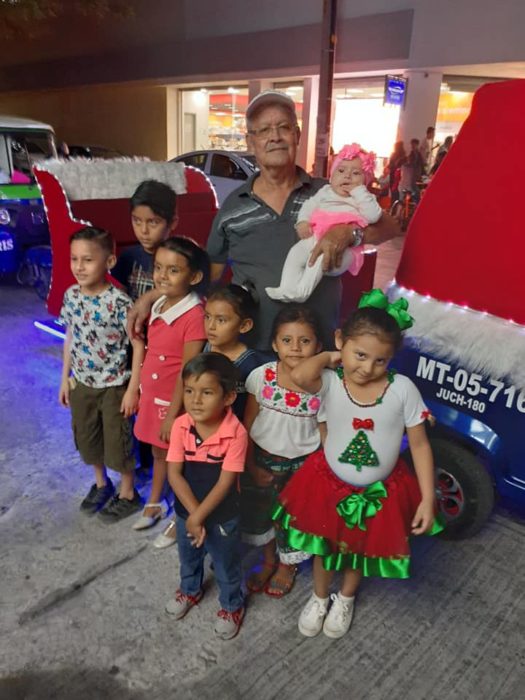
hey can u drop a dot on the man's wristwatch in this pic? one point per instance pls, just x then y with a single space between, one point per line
359 234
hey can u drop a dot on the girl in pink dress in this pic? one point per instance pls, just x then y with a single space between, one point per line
175 335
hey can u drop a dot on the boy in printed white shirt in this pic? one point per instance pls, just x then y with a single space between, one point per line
96 382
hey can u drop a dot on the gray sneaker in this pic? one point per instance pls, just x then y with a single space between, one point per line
339 618
312 616
228 624
182 603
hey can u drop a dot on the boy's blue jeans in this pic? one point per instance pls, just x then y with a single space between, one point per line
222 544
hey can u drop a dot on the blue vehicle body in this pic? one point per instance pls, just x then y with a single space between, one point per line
484 415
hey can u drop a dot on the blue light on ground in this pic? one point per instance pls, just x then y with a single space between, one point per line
51 327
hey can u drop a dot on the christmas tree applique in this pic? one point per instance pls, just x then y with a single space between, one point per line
359 452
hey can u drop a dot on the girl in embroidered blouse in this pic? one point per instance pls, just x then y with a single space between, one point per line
175 335
281 420
355 503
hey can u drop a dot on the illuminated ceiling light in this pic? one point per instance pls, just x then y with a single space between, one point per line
444 87
232 90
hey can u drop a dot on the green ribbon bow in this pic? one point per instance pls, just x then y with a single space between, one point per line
398 309
358 506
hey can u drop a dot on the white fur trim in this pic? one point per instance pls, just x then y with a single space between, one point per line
114 178
478 341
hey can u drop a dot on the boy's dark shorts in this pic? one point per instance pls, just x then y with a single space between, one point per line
102 434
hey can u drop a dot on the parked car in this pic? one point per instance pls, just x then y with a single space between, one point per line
23 225
90 152
226 169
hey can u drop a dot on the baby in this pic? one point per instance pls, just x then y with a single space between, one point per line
344 201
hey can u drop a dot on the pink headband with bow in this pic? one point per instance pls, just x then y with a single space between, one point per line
368 160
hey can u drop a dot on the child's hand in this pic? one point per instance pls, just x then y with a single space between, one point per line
303 229
196 531
260 476
130 403
334 359
63 393
165 428
424 517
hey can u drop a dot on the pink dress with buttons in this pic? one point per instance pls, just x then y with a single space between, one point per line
161 367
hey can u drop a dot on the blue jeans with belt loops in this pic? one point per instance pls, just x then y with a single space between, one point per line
222 544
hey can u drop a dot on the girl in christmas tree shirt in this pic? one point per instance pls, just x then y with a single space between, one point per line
354 503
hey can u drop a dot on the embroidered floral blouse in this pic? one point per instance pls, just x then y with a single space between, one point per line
286 424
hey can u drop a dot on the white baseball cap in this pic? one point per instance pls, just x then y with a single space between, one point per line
270 97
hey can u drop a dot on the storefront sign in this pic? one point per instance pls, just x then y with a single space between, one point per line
395 89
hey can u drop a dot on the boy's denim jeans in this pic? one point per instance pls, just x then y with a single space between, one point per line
222 544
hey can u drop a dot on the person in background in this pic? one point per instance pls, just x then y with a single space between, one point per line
426 148
394 169
442 152
411 171
97 385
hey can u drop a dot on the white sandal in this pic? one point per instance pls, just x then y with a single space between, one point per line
164 539
146 521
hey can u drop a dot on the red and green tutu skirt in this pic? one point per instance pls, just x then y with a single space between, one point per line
354 527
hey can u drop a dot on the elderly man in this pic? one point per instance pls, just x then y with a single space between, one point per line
254 229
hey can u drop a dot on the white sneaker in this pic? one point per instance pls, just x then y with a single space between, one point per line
339 618
312 616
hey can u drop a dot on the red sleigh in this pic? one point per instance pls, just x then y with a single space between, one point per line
196 209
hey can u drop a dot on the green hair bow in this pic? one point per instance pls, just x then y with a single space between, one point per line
397 309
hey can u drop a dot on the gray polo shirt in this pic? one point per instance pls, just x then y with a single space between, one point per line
255 240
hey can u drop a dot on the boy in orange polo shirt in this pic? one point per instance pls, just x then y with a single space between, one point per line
206 455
